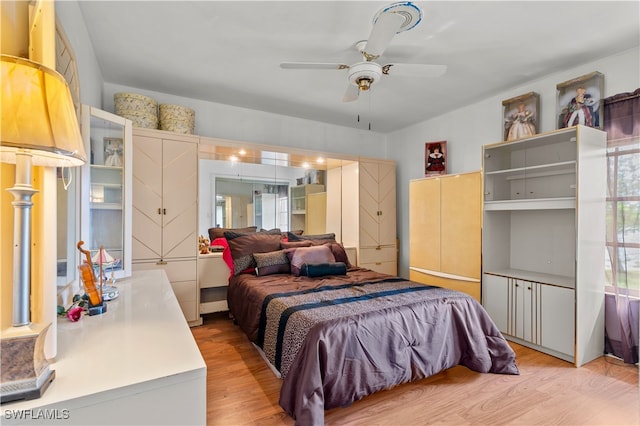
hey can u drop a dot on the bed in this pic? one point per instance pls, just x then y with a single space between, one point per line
336 333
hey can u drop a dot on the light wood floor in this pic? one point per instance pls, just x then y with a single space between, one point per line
242 390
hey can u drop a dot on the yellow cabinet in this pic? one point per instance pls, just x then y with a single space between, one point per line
445 231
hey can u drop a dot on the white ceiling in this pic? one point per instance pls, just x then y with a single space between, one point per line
229 51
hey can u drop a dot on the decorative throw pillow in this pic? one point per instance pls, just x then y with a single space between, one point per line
243 246
316 240
273 262
339 253
219 232
295 244
314 254
322 269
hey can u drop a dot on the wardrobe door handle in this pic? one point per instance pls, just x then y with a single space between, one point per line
164 211
159 210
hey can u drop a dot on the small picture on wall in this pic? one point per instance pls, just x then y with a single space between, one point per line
521 116
435 154
578 101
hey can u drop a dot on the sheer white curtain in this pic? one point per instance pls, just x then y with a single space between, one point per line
622 124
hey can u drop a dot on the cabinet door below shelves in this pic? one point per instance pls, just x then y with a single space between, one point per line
557 318
540 314
496 301
525 311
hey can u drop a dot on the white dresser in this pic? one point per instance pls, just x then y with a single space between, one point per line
138 363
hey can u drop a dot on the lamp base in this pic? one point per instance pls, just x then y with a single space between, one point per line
25 370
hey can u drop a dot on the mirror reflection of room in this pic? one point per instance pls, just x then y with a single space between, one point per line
262 188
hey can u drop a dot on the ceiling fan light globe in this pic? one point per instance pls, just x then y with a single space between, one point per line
364 71
364 84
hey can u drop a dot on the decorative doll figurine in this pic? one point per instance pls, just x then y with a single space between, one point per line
580 109
435 160
522 124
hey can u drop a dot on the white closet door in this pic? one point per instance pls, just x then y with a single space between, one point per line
180 198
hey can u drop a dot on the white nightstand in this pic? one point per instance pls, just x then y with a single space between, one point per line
213 279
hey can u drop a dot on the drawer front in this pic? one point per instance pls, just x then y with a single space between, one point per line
212 271
186 293
177 270
373 255
389 268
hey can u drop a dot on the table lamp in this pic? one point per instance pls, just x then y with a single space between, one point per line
39 128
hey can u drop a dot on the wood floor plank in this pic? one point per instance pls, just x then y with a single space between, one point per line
242 390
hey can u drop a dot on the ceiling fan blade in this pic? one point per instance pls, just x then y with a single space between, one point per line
351 94
385 27
416 70
313 66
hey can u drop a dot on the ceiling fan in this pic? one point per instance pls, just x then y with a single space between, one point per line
388 21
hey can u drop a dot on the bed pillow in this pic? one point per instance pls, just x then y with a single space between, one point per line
273 262
315 240
339 253
243 246
322 269
314 254
219 232
295 244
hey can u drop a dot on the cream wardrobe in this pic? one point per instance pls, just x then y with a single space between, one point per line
165 211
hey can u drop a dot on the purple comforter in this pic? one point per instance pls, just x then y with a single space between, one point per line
338 339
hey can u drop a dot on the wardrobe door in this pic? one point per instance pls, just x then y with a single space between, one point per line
424 224
461 210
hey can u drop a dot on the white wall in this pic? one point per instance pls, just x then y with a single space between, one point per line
247 125
70 17
468 128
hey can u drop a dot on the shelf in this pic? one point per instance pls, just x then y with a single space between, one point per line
567 134
102 166
107 186
531 204
538 277
105 206
213 299
551 169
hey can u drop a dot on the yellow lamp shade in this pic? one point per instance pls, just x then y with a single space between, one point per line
38 115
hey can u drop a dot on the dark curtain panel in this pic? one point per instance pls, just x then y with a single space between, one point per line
622 124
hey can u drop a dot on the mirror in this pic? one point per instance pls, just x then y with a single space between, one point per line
244 202
67 225
263 187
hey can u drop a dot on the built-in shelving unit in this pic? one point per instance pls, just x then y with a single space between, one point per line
106 188
543 241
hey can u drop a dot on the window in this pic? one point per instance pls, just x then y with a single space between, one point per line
623 202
